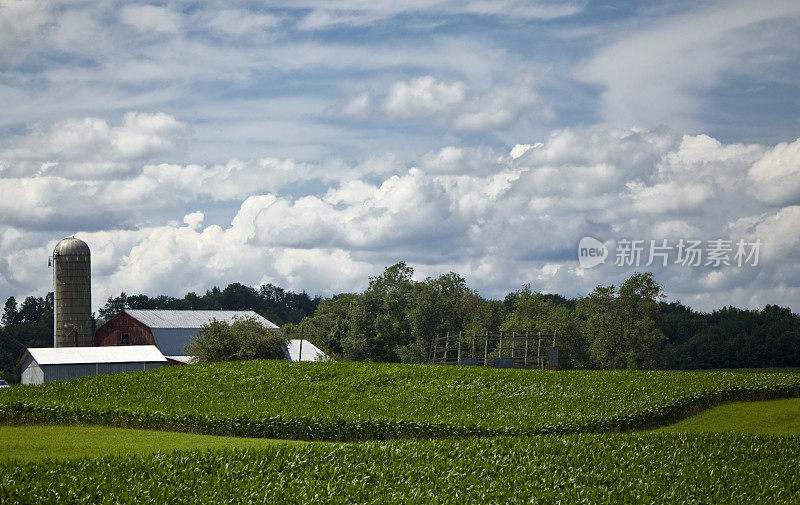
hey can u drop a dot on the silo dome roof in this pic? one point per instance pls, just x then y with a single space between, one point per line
71 246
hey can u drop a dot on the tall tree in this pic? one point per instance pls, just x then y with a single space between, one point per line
436 306
32 327
32 309
377 322
10 312
621 323
113 306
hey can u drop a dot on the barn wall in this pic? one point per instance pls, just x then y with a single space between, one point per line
170 341
122 324
54 373
111 368
31 373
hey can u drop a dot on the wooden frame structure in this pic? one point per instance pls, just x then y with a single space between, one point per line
503 349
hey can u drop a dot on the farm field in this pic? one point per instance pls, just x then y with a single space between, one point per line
36 442
357 401
578 468
367 401
776 417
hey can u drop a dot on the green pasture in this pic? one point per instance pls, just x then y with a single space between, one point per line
36 442
776 417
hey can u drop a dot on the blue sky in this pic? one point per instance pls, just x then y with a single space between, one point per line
310 144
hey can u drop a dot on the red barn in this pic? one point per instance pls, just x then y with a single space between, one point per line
123 329
169 330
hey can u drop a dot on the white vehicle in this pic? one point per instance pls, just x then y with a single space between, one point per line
3 384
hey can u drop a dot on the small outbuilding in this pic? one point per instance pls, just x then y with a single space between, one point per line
303 350
50 364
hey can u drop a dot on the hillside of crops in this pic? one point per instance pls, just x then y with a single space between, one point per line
584 468
346 401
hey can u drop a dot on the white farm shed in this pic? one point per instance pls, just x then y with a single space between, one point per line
310 352
50 364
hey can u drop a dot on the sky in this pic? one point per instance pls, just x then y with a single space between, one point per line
310 144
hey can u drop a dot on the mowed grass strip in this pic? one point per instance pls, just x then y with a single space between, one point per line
361 401
575 469
775 417
33 443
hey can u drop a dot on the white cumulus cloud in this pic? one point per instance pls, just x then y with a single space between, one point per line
498 219
775 177
423 96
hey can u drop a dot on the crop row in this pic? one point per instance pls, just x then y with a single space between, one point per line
362 401
612 468
344 429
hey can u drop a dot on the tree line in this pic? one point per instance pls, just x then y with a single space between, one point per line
270 301
625 326
394 318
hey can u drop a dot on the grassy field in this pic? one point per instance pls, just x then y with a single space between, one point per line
347 401
776 417
575 469
33 443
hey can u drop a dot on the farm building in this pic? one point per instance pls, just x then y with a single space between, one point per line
50 364
169 330
303 350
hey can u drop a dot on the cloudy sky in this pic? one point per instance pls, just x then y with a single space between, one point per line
312 143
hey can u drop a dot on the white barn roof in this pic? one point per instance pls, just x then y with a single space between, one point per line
191 318
186 360
86 355
310 351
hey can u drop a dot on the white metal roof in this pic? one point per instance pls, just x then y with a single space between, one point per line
310 351
186 360
105 354
191 318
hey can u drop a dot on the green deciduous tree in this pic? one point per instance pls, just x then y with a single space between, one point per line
621 323
436 306
243 339
31 326
396 317
10 312
377 322
33 309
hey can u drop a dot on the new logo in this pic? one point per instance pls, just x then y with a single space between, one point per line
591 252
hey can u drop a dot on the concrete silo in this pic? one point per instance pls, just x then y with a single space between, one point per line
72 293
